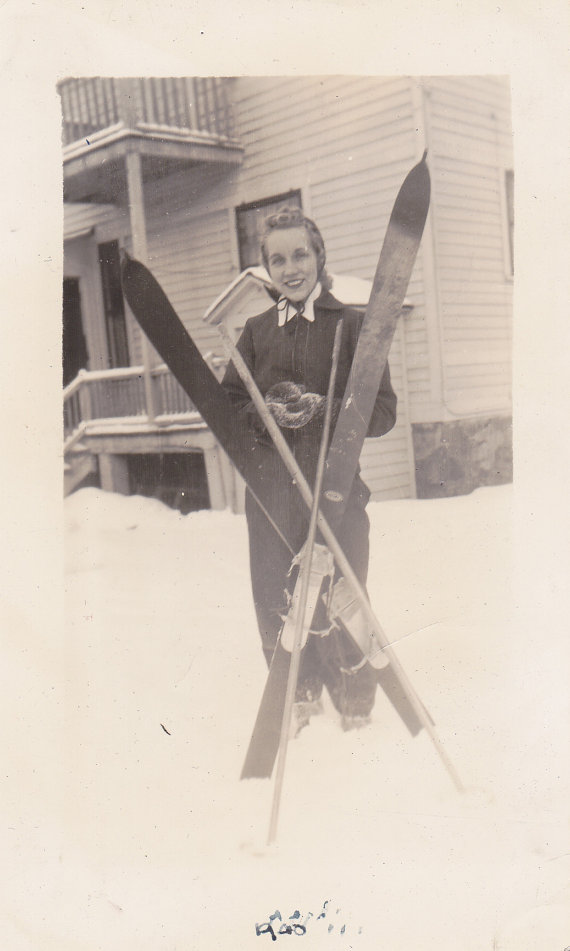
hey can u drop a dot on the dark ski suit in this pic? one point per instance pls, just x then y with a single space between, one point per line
301 352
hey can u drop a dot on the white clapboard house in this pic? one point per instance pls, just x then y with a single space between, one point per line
180 172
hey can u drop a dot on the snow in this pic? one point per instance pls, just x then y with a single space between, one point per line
156 844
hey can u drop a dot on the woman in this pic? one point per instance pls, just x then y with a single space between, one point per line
288 350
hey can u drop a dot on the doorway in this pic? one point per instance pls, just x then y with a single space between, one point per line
74 345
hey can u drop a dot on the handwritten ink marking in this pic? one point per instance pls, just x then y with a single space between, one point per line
270 926
324 911
265 928
165 730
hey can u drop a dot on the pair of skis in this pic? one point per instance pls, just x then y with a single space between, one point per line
391 280
159 321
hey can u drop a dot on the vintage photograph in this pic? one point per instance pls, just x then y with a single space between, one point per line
288 477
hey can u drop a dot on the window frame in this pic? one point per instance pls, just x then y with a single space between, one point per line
293 194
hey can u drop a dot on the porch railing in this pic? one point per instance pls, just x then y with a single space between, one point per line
120 394
190 104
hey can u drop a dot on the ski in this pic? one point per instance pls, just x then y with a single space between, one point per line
168 335
393 272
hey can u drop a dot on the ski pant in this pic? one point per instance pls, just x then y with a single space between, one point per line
325 661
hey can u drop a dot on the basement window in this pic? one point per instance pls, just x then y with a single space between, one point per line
177 479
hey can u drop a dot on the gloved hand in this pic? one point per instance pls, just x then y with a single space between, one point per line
291 406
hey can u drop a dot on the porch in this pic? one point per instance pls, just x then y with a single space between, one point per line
107 424
120 136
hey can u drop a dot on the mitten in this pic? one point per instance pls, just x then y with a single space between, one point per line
291 406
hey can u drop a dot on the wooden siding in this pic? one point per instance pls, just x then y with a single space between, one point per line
80 218
470 147
314 131
190 254
387 463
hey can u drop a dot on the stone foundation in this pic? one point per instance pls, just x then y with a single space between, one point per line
456 457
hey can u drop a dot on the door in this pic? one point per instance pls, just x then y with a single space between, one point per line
75 355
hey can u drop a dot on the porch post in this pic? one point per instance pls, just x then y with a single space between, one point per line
114 473
140 252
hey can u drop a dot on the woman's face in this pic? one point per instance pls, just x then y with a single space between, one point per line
292 262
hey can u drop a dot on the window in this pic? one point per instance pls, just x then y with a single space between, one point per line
177 479
249 223
510 215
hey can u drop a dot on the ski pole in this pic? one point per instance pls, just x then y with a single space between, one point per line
302 607
340 558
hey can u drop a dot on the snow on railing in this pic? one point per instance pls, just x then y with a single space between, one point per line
120 394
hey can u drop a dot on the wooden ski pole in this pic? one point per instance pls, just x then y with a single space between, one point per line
339 556
302 607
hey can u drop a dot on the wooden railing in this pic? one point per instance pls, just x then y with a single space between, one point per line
120 394
191 104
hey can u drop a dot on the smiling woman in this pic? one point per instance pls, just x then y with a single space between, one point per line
293 252
288 350
292 263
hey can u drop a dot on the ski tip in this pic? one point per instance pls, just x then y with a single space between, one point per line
424 156
131 270
412 201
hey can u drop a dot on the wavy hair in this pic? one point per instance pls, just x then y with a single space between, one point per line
289 216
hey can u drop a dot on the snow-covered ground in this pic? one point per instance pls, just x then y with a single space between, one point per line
163 848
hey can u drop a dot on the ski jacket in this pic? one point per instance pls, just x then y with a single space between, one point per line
301 352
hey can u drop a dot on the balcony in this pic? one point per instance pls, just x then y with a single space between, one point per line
173 123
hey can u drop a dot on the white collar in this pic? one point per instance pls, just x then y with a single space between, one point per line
286 309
